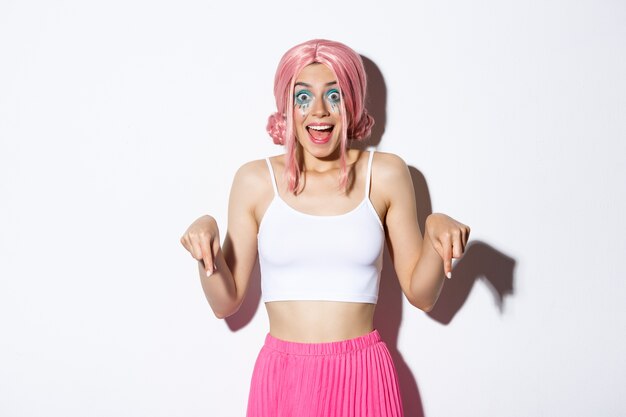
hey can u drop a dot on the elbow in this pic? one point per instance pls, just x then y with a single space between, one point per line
425 300
221 315
424 305
426 308
226 313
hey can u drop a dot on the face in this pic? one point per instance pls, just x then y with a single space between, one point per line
317 110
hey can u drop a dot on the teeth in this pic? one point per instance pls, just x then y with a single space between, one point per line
320 127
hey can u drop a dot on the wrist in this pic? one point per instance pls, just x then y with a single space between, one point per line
433 216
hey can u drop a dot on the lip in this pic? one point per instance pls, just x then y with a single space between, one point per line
318 141
323 125
320 124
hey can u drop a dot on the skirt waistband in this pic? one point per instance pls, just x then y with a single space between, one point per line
322 348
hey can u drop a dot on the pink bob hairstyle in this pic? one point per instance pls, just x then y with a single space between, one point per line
348 69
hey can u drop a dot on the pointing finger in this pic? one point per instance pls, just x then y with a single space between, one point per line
207 257
199 255
457 245
447 258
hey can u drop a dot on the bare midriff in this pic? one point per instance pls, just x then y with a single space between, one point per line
319 321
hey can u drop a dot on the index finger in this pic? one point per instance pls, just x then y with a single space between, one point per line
447 258
206 256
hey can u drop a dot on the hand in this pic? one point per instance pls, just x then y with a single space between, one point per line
202 240
448 237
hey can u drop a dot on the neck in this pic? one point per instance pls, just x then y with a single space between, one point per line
324 164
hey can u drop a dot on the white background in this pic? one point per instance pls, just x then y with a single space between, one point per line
123 121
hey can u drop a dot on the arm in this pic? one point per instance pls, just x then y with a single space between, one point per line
419 262
231 264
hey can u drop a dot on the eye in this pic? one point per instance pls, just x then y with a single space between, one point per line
333 96
303 97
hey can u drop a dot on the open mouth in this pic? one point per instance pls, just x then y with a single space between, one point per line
320 133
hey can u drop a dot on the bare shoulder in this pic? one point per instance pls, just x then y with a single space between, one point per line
389 166
391 179
251 172
252 182
252 189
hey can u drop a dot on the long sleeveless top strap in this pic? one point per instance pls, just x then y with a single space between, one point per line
272 177
369 174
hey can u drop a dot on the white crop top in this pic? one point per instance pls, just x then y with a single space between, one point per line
312 257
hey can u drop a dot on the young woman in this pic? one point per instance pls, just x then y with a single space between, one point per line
318 217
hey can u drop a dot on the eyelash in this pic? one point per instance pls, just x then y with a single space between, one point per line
309 97
300 101
334 100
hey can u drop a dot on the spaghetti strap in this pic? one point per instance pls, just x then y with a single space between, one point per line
272 177
369 174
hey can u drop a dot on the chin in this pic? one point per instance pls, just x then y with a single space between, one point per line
321 150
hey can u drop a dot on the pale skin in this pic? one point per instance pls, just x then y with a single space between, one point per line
421 263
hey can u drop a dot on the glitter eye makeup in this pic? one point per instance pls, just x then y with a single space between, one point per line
334 98
304 98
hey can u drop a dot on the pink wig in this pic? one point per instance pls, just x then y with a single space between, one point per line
347 67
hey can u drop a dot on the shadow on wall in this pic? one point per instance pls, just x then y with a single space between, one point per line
479 261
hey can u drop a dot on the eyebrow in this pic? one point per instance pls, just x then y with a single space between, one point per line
309 85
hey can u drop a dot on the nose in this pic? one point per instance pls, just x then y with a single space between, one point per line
320 108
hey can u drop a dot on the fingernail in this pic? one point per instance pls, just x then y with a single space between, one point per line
449 275
209 273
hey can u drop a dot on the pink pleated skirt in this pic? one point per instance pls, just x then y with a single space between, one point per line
348 378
